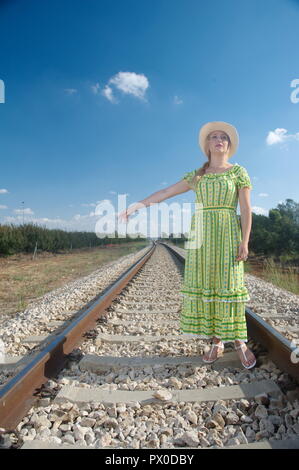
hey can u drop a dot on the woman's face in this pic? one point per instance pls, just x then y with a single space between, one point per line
218 142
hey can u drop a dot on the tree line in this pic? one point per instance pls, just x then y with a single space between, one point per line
28 237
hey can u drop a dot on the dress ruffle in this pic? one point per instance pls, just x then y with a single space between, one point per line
224 173
216 295
198 336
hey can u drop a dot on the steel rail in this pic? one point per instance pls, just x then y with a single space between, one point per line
280 350
17 395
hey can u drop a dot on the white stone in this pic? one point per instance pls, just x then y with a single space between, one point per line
192 417
261 411
88 422
65 427
190 438
103 441
163 395
44 434
241 437
233 442
68 439
231 418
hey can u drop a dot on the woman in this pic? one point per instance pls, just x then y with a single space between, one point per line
214 294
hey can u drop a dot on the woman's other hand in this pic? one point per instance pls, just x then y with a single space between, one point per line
124 215
243 252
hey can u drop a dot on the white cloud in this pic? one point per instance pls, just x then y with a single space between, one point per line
92 204
86 216
3 207
40 220
70 91
78 222
108 93
131 83
95 88
263 195
3 191
177 100
259 210
104 201
26 211
280 136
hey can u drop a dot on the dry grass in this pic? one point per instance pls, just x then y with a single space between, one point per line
23 279
285 278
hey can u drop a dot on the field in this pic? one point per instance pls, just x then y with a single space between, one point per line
23 279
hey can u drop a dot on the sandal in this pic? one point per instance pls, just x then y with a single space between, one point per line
220 346
245 358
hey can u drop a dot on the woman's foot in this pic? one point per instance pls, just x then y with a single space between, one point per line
247 358
214 352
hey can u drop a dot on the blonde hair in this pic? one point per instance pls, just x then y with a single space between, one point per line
202 170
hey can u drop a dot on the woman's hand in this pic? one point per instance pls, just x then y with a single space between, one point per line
243 252
124 215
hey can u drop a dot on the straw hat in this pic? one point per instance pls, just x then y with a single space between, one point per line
219 126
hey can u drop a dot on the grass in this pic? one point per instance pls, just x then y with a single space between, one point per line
21 305
23 279
286 278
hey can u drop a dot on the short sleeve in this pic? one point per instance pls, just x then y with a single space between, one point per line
243 179
188 178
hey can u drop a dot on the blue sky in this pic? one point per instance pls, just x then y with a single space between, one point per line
106 98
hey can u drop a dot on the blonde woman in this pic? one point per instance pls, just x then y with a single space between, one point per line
213 292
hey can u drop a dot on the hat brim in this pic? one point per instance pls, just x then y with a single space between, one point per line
219 126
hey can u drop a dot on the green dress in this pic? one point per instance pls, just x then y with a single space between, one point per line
213 292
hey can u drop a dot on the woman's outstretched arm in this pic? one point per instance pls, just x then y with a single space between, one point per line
159 196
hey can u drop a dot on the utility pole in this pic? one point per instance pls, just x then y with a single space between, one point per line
23 211
35 250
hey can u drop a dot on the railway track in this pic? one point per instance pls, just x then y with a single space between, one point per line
119 374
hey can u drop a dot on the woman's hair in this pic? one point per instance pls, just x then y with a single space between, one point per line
201 171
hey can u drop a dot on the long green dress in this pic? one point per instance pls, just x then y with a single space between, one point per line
213 292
